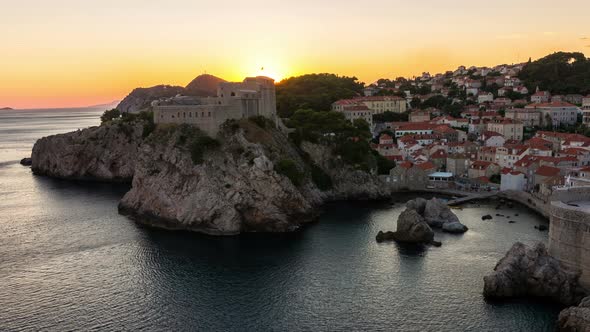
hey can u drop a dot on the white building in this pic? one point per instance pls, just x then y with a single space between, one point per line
485 97
512 180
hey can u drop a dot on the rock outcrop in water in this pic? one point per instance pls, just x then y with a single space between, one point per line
414 224
26 161
411 228
437 214
250 179
531 271
104 153
575 319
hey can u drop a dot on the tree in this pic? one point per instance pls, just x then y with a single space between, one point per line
560 73
314 91
110 115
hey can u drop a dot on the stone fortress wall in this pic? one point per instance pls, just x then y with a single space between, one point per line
569 230
235 100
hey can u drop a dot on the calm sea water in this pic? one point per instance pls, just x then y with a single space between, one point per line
68 261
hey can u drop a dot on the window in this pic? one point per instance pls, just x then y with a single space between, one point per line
233 94
209 115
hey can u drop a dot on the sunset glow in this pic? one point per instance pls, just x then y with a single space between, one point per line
75 53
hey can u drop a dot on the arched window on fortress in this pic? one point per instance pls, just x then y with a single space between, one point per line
190 114
184 114
202 114
209 115
233 94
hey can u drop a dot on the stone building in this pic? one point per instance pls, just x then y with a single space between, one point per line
569 229
235 100
509 128
529 117
377 104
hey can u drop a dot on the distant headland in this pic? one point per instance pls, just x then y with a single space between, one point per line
6 109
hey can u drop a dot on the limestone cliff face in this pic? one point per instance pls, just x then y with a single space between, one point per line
235 189
183 181
105 153
349 183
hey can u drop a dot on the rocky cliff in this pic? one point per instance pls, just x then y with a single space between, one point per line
531 271
104 153
575 319
251 178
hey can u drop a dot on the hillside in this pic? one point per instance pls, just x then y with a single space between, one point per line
203 86
559 73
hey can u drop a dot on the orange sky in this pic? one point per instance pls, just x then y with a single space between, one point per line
74 53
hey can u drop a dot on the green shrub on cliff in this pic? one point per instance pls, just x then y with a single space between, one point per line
110 115
288 168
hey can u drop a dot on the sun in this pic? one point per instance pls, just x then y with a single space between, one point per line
265 65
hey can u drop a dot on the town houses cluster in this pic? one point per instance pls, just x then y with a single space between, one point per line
500 136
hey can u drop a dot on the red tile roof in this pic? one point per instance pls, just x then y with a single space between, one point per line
547 171
426 166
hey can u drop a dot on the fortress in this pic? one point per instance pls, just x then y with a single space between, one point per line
569 230
235 100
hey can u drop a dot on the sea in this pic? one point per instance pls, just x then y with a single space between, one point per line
70 262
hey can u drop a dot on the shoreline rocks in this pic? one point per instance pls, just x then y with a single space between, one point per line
229 188
26 161
415 222
437 214
575 319
104 153
531 271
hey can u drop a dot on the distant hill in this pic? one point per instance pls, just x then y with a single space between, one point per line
110 105
559 73
141 98
6 109
203 86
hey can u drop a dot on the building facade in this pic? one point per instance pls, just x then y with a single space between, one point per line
255 96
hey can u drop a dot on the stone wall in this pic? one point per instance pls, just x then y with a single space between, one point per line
569 232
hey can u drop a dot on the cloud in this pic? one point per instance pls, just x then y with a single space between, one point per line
549 33
584 38
587 45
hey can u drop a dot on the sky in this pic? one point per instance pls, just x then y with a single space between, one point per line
69 53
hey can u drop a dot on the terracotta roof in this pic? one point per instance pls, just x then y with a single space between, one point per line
426 166
439 154
417 126
489 134
405 164
480 164
547 171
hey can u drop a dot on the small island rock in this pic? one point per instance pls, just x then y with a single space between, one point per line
26 161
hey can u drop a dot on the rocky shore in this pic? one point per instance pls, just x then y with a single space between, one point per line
183 180
531 271
103 153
